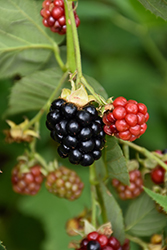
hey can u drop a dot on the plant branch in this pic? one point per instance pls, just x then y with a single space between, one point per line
145 152
138 241
71 61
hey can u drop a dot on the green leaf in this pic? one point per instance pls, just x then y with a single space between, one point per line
160 199
158 7
115 161
2 247
97 86
113 213
25 44
142 218
33 91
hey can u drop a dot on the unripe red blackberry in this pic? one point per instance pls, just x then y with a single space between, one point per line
127 120
53 14
27 183
129 192
79 131
158 175
98 241
64 183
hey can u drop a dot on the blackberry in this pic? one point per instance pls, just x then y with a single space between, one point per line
127 121
93 245
97 241
80 134
28 183
64 183
69 110
57 104
130 192
53 14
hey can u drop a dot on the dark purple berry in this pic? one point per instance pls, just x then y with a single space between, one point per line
87 160
99 144
53 117
69 110
75 156
93 245
96 128
101 134
70 141
56 137
87 146
64 148
164 151
85 134
92 110
56 104
96 154
83 117
73 127
61 127
49 126
61 152
99 120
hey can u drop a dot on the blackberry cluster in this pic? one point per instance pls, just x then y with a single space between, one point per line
64 183
132 191
53 14
78 131
127 121
97 241
27 183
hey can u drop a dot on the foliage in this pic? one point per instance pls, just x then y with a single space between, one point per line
124 47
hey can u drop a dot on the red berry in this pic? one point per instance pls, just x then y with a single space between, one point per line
27 183
132 191
92 236
119 101
111 117
102 239
131 119
107 130
158 174
131 108
121 125
142 108
54 16
113 242
127 121
57 12
119 112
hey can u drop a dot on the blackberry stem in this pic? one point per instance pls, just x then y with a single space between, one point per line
145 152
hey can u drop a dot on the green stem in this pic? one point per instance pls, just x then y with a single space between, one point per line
37 117
92 178
58 58
71 61
76 43
145 152
126 151
98 98
138 241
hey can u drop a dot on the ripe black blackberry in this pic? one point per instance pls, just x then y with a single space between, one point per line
79 132
53 14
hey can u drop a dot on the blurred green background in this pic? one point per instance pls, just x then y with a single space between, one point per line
123 46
